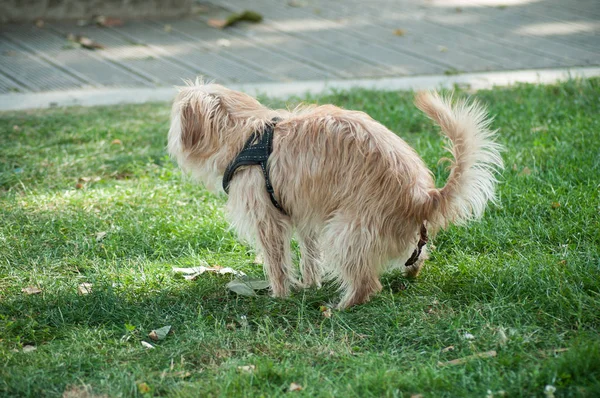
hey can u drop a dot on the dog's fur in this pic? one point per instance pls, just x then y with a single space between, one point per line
356 193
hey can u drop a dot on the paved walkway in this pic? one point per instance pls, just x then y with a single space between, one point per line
302 41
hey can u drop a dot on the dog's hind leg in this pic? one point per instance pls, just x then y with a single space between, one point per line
310 258
352 257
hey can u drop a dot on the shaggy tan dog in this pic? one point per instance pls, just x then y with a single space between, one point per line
356 194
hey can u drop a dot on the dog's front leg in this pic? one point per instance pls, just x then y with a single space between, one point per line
274 241
256 220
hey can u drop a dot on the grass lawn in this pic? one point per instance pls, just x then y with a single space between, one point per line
524 282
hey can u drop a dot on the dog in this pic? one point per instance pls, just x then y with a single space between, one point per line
359 199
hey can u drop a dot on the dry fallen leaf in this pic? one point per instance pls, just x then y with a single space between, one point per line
193 272
116 141
79 186
145 344
101 20
16 128
246 368
217 23
526 171
295 387
416 396
555 205
31 290
399 32
100 236
326 311
241 288
223 43
468 336
88 43
449 348
502 338
258 259
83 391
143 388
539 128
84 288
460 361
160 334
29 348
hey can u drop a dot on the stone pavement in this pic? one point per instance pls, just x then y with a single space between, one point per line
300 41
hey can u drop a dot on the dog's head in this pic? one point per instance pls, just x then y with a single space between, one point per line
209 124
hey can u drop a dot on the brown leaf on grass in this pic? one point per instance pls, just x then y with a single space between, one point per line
295 387
116 141
416 396
143 388
514 167
539 128
79 186
29 348
100 236
31 290
326 311
84 288
555 205
525 172
460 361
258 259
399 32
449 348
16 128
83 391
246 368
160 334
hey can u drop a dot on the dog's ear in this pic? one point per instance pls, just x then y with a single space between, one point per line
191 126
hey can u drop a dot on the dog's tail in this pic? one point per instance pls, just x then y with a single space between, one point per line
476 155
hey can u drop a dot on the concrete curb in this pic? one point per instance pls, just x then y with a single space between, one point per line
474 81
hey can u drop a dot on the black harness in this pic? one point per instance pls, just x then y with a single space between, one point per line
256 151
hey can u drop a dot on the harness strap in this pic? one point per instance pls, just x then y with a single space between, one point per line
256 151
422 242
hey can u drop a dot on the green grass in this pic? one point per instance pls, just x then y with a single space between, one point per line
528 270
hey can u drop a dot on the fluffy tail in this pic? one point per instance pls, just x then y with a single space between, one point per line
472 180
